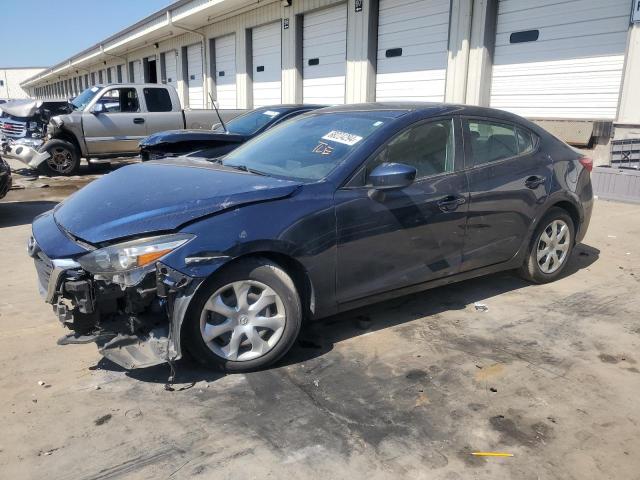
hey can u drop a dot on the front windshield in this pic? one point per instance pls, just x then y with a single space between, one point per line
249 123
82 100
307 148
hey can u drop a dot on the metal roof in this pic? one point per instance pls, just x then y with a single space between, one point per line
191 14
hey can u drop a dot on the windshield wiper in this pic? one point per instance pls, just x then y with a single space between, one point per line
244 168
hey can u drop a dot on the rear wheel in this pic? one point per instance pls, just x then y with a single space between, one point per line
245 319
551 247
64 158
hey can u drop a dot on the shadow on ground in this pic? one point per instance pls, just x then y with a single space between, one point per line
13 214
318 338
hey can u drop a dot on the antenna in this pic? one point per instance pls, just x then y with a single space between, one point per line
218 113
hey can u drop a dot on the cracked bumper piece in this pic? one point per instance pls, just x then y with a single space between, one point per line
25 154
131 351
134 327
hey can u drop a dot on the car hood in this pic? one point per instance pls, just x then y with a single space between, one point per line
153 197
178 136
22 108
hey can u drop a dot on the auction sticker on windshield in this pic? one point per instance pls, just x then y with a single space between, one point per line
342 137
270 113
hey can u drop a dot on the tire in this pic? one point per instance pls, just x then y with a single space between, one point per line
64 158
234 337
539 267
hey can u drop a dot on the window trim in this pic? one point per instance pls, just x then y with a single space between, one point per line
280 120
120 88
466 136
455 121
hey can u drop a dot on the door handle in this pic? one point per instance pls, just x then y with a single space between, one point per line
138 120
534 181
451 203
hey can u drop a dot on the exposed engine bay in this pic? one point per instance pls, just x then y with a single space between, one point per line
133 326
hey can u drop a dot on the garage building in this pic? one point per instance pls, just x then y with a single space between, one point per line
569 64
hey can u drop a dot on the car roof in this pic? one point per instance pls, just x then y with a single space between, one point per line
292 107
427 109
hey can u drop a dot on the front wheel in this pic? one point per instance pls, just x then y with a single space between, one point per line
244 319
551 247
64 158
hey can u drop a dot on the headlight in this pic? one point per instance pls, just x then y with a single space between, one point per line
127 263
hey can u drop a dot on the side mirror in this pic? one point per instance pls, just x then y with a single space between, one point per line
392 176
98 108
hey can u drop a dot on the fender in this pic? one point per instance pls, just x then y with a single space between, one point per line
214 262
66 127
553 199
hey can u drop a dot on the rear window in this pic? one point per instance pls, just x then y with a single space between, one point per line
491 141
157 99
526 141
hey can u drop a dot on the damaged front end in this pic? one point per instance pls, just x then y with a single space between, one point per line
134 317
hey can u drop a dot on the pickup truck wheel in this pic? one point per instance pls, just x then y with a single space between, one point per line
64 158
245 318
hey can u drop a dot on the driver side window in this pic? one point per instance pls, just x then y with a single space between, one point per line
120 100
428 147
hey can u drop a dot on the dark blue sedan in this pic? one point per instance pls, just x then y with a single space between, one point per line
335 209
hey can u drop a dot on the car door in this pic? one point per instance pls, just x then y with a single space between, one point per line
120 125
161 114
409 236
509 178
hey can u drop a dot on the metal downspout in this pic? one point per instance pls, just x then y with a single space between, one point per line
205 82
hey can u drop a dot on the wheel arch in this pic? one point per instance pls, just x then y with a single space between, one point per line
70 137
295 269
565 203
571 209
298 273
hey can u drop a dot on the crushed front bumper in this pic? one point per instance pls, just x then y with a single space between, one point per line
134 327
26 154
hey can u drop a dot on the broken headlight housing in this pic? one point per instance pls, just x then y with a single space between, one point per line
129 262
34 142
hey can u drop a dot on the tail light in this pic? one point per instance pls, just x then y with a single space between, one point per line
587 163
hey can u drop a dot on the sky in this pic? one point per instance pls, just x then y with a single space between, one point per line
41 33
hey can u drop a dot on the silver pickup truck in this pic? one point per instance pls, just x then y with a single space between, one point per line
108 121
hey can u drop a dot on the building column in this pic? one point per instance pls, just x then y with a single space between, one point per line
210 71
482 46
458 60
244 87
182 84
291 56
362 36
628 120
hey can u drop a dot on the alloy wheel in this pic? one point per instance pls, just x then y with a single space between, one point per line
242 321
553 246
60 160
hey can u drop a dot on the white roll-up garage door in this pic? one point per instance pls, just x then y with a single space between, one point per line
194 76
267 65
171 68
560 59
226 71
324 52
412 50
